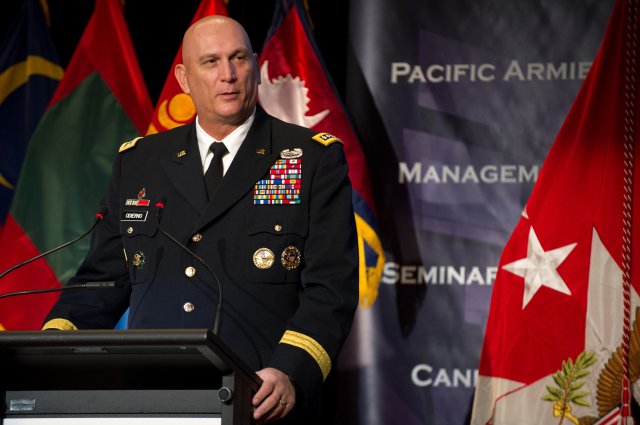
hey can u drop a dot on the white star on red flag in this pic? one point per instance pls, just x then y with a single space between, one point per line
539 268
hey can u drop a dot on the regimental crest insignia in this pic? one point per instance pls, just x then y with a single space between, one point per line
138 260
139 201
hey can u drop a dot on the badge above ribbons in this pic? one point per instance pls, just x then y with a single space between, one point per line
284 182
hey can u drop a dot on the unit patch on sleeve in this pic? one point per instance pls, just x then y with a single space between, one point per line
283 184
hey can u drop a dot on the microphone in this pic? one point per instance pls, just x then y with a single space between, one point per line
85 285
100 213
160 201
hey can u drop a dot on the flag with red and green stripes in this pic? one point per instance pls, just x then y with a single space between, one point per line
101 102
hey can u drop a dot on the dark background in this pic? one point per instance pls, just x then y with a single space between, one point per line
156 29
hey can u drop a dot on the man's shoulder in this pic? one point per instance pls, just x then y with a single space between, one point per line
287 133
157 142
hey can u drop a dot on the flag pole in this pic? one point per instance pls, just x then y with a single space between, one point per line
631 41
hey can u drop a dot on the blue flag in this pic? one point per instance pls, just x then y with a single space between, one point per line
29 74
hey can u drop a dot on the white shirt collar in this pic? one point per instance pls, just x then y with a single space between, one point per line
233 141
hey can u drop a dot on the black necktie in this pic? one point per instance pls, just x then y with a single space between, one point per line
213 176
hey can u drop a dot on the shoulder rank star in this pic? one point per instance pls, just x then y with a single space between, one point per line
291 153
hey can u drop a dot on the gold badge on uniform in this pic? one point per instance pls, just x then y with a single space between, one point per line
290 257
291 153
138 260
263 258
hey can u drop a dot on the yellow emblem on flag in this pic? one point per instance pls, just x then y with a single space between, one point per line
370 275
174 112
17 75
2 327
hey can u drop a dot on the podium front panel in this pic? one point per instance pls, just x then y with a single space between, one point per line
116 374
112 421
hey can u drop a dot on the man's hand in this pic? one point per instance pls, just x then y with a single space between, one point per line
275 398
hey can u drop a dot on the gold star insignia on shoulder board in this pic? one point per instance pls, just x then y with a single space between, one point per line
129 145
326 139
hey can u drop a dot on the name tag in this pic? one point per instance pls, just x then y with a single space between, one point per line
134 215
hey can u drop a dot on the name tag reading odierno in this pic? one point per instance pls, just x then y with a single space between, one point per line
134 215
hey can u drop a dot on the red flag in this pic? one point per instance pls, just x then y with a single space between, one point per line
101 101
296 88
175 108
557 311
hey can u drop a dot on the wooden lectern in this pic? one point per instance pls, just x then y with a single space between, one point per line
181 376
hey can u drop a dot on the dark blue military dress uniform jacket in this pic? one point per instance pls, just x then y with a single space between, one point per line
288 271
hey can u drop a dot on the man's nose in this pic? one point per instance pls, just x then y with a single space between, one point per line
228 72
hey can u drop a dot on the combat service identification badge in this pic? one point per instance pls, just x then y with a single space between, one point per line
263 258
290 258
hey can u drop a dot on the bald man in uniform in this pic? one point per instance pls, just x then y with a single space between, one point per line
273 219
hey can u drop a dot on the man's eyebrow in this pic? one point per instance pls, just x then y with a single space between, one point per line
240 51
236 52
208 56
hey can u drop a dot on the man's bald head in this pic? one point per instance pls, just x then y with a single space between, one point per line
213 23
220 73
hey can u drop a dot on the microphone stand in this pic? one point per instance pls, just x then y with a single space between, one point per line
99 216
86 285
216 321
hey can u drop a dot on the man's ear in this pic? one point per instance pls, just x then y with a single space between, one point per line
255 58
181 75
